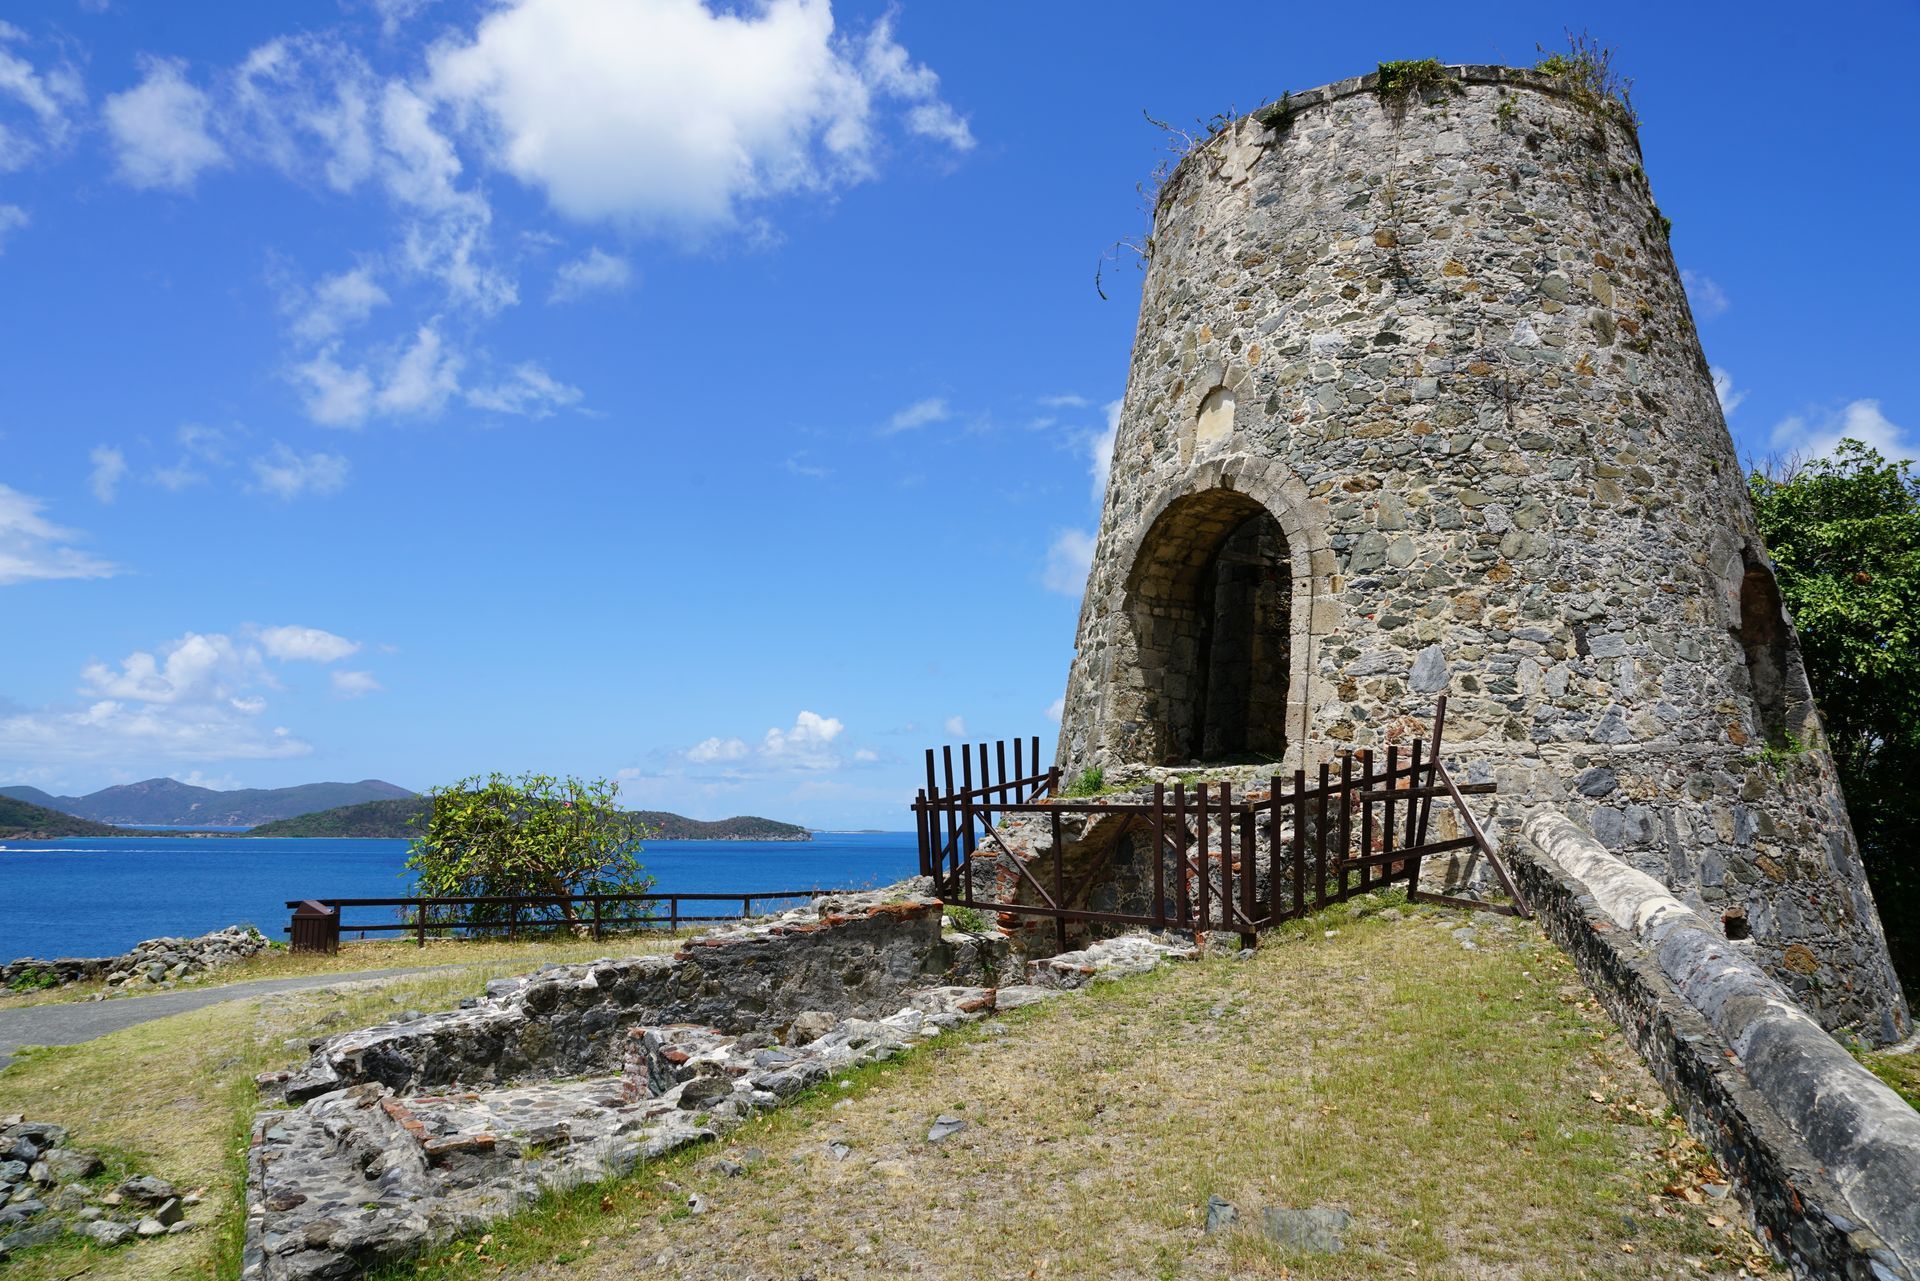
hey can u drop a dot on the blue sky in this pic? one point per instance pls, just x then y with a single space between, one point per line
708 398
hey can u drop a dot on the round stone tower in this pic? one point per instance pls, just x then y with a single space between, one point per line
1417 406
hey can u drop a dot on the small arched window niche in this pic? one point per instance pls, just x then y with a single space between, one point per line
1782 700
1212 421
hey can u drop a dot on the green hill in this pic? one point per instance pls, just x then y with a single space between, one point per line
172 803
369 818
26 822
393 818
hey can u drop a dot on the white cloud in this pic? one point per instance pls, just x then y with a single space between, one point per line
305 105
12 218
33 548
283 473
596 272
1100 452
159 129
335 394
354 684
1709 299
422 378
669 113
1724 389
338 303
886 66
1065 402
109 468
531 392
305 644
921 412
47 96
417 381
1815 436
191 700
807 745
1056 709
709 750
956 726
799 466
865 755
1069 559
197 668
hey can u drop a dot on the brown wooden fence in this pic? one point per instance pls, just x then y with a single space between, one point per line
317 924
1219 861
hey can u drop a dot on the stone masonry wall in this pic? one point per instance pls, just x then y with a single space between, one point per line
1444 343
850 953
1825 1157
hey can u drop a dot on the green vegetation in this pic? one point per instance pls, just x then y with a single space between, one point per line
388 818
531 834
28 822
1901 1071
33 981
1405 78
1844 533
1585 69
969 920
1092 782
1778 756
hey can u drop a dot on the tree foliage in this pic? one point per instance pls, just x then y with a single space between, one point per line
1844 534
533 834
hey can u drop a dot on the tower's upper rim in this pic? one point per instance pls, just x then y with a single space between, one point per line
1465 73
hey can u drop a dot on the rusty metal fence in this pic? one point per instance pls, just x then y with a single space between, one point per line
1219 861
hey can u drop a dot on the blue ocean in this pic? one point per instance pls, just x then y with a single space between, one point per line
94 896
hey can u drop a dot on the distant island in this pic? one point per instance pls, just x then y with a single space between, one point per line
166 802
29 814
394 818
27 822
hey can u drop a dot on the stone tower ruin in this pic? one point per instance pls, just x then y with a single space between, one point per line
1416 405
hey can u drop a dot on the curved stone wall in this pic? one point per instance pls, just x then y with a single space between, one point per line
1457 367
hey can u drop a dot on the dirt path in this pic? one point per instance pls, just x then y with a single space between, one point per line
72 1023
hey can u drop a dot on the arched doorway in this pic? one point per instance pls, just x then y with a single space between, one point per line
1210 603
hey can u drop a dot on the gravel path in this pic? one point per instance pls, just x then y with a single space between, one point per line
69 1024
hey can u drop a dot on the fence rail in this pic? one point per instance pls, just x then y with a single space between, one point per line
1218 861
318 924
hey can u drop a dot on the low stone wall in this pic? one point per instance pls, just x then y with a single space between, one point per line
1826 1157
861 951
157 962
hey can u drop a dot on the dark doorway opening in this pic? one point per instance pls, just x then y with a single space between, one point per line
1212 612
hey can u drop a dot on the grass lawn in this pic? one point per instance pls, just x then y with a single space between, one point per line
1901 1071
172 1097
1472 1110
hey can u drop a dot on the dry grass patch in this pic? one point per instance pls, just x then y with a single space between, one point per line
1471 1109
173 1097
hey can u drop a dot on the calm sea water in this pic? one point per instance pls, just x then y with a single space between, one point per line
94 896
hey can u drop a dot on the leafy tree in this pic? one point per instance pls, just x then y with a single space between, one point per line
1844 533
527 835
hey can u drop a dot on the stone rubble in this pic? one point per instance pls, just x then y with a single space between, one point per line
43 1195
369 1169
160 962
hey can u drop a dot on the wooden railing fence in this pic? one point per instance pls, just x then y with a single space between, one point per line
1219 861
318 924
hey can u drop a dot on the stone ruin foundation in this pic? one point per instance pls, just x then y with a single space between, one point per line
408 1133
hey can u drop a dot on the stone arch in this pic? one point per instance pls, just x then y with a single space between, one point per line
1209 414
1225 593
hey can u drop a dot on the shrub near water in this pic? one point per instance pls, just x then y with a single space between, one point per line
529 835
